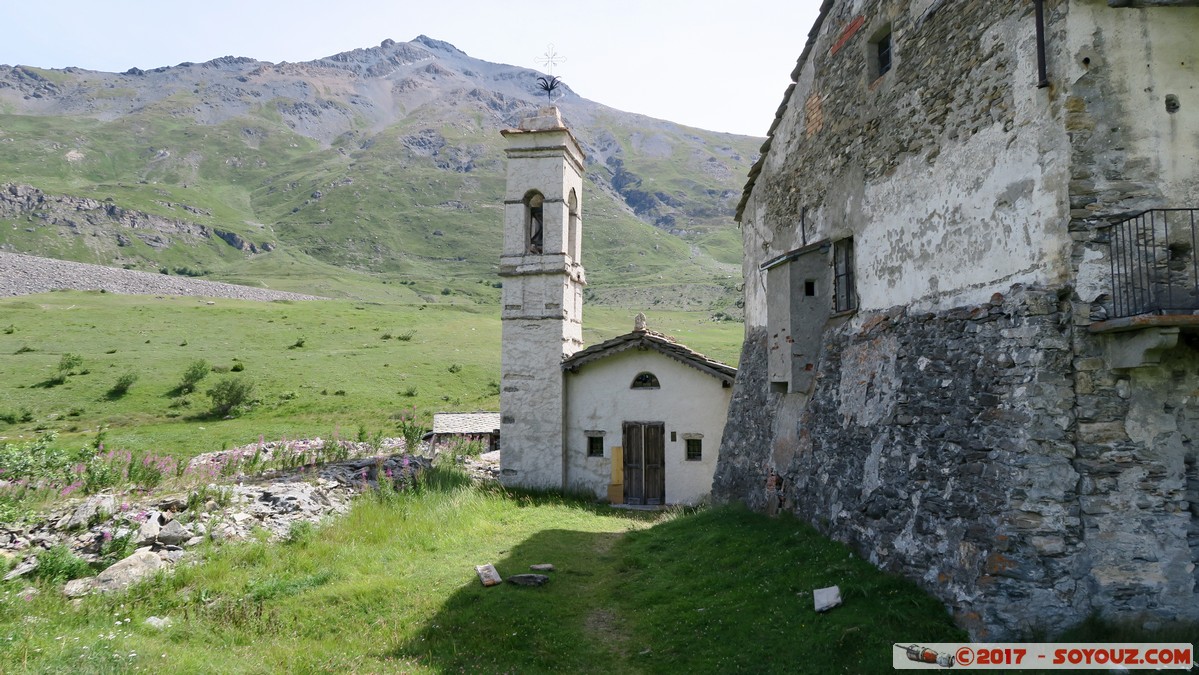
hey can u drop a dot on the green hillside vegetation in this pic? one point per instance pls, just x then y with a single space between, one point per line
318 368
398 176
391 588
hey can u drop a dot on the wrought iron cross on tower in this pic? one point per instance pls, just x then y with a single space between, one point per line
550 59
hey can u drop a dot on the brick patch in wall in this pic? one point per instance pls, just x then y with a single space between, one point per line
850 30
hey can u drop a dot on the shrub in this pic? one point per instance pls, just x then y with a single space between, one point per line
24 349
195 372
406 336
122 385
461 446
410 392
410 429
298 344
455 368
113 549
69 362
230 394
14 416
105 471
446 291
150 470
300 532
10 329
57 564
237 367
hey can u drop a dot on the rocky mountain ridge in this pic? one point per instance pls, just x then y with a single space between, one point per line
88 216
356 160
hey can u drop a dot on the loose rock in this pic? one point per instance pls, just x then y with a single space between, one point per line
528 579
129 571
488 575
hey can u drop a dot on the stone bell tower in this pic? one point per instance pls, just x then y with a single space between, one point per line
542 296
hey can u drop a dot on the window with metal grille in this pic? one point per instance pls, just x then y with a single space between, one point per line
645 381
883 54
845 298
595 446
695 449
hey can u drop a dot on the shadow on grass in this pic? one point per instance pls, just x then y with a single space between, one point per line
715 591
50 383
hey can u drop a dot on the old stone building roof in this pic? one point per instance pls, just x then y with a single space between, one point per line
466 423
782 110
643 338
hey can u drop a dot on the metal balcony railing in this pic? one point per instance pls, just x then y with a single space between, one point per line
1155 269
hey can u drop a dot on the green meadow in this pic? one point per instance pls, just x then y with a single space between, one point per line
317 368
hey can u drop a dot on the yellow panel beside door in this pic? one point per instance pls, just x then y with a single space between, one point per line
616 487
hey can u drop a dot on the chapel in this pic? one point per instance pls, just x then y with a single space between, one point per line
634 420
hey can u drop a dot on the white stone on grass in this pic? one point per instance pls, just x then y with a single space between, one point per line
827 598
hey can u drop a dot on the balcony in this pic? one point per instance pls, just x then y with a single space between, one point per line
1155 286
1155 270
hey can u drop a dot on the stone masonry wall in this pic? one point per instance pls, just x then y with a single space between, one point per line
974 451
937 444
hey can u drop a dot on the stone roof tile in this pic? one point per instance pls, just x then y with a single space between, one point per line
466 423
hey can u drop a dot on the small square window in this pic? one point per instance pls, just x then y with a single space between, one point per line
695 449
595 446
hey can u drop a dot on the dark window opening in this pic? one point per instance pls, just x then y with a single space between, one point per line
573 232
645 381
535 227
809 288
595 446
844 296
883 53
674 436
695 449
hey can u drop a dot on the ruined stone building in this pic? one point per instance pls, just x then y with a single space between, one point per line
636 419
971 305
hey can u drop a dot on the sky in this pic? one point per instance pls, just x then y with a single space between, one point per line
721 65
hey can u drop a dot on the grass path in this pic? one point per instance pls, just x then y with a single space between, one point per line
391 588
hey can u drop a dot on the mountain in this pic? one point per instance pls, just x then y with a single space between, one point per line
384 162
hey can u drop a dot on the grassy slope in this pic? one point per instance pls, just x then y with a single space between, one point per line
383 208
344 351
391 587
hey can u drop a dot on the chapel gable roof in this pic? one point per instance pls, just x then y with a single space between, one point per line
648 339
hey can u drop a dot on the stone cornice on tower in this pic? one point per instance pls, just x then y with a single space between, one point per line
544 133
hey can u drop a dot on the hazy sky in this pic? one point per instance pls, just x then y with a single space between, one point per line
715 64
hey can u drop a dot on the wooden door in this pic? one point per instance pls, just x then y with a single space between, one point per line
644 463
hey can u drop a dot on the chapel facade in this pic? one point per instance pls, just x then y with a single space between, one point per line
635 420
